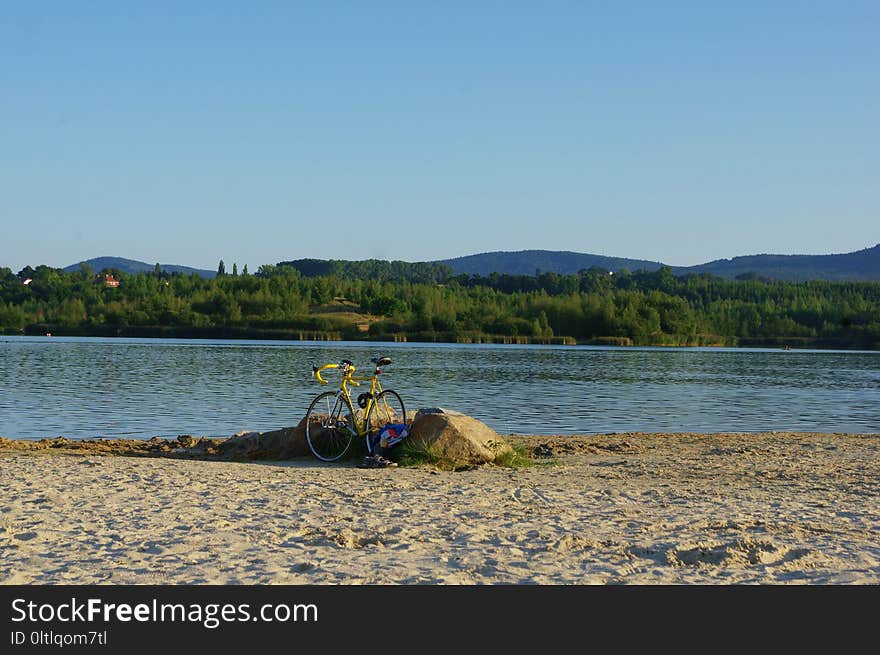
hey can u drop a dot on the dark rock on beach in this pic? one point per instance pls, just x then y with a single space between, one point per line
452 435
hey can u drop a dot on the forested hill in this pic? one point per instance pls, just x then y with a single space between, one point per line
532 262
860 266
282 302
377 270
133 266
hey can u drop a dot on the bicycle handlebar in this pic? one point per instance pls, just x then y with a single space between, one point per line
316 372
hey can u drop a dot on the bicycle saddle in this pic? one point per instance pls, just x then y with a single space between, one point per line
383 361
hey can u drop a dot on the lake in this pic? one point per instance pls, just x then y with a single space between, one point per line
140 388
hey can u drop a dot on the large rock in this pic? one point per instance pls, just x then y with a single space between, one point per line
276 444
456 438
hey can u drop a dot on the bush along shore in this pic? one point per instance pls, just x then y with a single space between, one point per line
593 307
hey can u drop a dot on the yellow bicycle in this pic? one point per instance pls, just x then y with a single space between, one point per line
332 422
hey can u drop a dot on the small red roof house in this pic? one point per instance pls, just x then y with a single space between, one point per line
109 280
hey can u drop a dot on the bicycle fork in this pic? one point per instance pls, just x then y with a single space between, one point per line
335 419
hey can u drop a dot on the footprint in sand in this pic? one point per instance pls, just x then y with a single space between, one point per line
27 536
528 495
742 552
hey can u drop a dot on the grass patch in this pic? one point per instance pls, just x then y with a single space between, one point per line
517 458
410 453
419 454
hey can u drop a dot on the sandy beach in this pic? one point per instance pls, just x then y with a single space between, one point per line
645 509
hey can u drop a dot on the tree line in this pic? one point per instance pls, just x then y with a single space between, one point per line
396 301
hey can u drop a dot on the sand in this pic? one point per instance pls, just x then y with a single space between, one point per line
645 509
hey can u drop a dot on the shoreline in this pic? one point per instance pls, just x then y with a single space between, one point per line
633 508
793 344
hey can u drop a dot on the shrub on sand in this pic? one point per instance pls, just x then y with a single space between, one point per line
419 454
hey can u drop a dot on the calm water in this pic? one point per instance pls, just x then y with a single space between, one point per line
90 387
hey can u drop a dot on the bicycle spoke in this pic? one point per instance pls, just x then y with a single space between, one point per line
329 426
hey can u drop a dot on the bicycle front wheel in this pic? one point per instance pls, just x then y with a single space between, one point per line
330 426
388 408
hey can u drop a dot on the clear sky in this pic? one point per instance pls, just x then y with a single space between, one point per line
255 132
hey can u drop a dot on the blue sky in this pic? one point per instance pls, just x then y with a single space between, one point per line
255 132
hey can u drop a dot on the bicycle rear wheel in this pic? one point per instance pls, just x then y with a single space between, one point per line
330 426
388 408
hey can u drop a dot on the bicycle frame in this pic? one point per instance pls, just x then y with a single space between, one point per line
348 378
332 422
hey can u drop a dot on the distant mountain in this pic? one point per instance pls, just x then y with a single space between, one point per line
859 266
863 265
133 266
527 262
